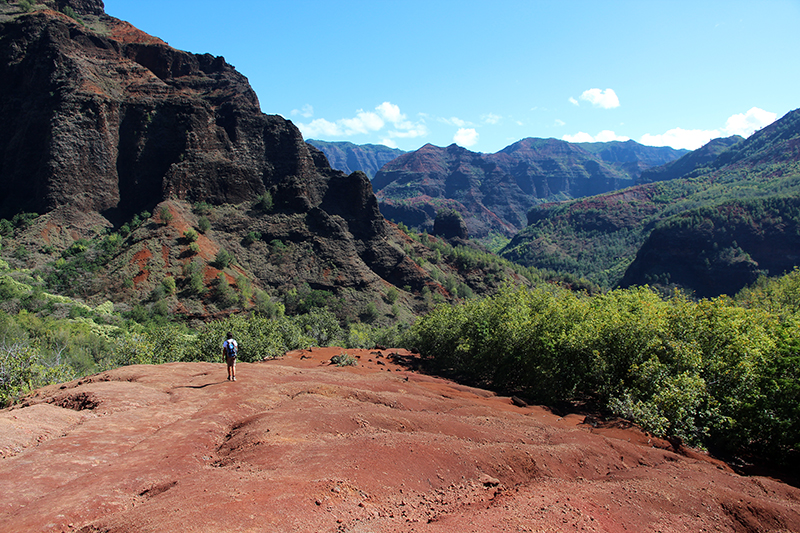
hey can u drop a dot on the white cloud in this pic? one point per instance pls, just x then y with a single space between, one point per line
606 99
320 127
389 142
419 130
573 101
745 124
680 138
608 136
390 112
465 137
602 137
560 122
306 111
364 122
491 118
580 137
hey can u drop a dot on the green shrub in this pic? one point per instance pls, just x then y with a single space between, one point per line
252 237
344 359
223 259
224 295
168 284
68 11
190 235
258 337
23 368
203 224
165 215
321 326
264 202
391 295
369 313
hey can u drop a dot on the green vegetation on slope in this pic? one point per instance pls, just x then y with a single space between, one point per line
712 372
598 237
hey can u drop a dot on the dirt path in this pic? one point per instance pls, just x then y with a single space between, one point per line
298 444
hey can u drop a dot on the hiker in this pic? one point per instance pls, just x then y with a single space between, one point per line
230 348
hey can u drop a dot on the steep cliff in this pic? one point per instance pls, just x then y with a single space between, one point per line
102 122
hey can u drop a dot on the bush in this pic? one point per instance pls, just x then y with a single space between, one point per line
391 295
223 259
264 202
224 295
369 313
252 237
23 368
194 281
258 337
344 359
321 326
203 224
190 235
25 5
168 284
68 11
165 215
710 372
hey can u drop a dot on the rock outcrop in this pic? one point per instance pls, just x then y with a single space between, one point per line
101 118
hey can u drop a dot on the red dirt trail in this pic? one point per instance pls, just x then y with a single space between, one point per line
299 444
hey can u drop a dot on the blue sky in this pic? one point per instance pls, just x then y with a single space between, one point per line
485 74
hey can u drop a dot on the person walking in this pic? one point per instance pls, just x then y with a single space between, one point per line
230 349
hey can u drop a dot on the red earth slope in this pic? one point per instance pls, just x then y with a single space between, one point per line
299 444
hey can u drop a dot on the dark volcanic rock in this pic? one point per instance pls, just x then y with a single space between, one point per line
103 124
450 225
82 7
115 122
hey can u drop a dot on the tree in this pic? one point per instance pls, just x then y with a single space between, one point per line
165 215
203 224
223 259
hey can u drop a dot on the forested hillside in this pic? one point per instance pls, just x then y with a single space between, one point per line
599 237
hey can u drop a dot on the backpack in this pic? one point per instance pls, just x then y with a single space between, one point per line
231 348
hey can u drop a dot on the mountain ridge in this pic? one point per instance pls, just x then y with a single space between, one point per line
493 192
600 236
349 157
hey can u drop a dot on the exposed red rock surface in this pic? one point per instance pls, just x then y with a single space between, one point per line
300 444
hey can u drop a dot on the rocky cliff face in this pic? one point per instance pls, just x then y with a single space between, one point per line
103 124
100 118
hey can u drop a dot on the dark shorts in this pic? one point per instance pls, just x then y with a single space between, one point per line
230 360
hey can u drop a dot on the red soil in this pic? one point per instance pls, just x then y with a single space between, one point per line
299 444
